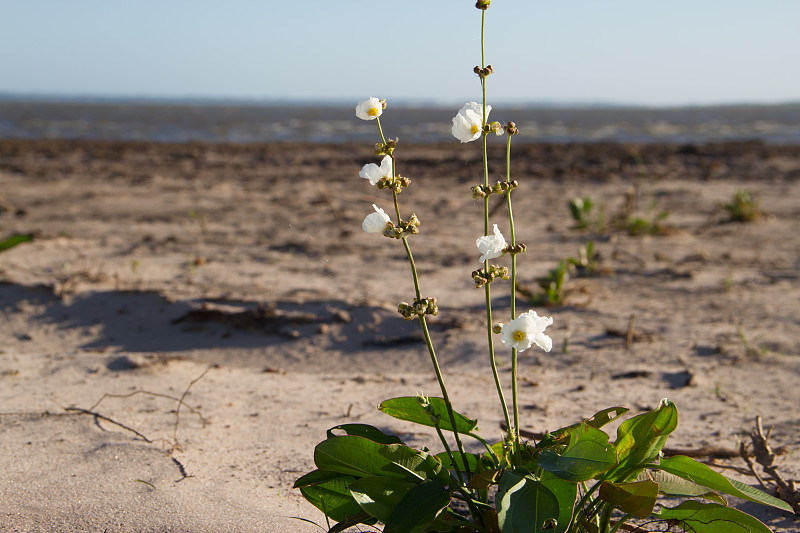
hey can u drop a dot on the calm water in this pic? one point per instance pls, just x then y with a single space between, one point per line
177 122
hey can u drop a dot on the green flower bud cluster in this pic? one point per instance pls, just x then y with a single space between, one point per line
482 191
395 184
386 148
483 276
483 73
421 307
483 4
425 403
403 229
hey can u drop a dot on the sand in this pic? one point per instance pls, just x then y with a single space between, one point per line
239 277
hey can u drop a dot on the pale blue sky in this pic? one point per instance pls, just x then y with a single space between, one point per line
619 51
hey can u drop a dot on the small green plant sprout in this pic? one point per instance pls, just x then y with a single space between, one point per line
588 261
650 224
576 479
585 215
554 284
14 240
750 350
743 207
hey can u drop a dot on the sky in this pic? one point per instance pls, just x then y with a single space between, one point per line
570 51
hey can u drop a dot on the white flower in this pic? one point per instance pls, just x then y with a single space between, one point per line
468 123
375 222
491 246
374 173
369 109
527 329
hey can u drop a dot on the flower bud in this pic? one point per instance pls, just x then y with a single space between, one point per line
406 310
477 192
383 103
511 128
483 4
497 328
423 400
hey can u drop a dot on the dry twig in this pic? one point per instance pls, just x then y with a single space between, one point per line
765 456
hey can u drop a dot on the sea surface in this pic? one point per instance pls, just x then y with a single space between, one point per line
236 122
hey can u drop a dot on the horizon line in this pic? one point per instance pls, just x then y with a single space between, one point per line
41 97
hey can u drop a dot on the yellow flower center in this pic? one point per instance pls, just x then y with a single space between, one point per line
519 335
474 129
373 112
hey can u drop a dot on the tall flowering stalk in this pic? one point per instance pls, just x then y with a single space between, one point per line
470 123
384 176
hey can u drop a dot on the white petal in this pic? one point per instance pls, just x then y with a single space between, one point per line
386 166
544 342
371 172
375 222
462 130
491 246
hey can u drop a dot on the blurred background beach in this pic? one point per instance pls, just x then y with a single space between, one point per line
292 71
238 122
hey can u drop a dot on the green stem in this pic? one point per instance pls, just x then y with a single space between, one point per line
492 360
487 446
449 453
383 139
620 523
445 396
413 266
605 518
483 48
434 360
484 134
426 333
396 204
514 367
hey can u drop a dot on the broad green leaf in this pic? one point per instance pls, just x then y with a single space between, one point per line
14 240
641 438
525 504
566 493
315 477
408 408
606 416
379 496
598 420
366 431
697 517
362 457
637 498
698 473
589 453
673 485
419 508
333 498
